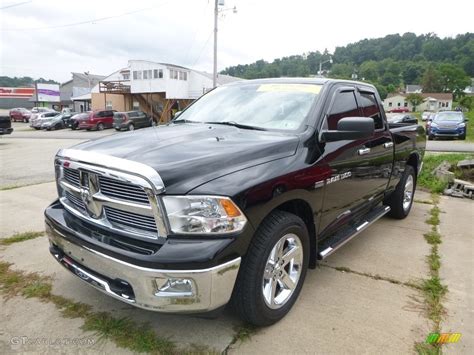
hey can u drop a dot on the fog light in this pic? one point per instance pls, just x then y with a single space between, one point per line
176 288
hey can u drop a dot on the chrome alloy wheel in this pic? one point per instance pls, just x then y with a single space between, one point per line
408 193
282 271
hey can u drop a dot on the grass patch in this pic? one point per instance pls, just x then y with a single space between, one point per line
433 237
123 332
434 217
470 126
427 349
431 161
432 289
243 333
20 237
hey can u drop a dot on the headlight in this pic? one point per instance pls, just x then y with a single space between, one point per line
461 125
203 214
434 124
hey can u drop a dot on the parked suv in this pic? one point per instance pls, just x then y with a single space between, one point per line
131 120
20 114
448 124
98 120
38 119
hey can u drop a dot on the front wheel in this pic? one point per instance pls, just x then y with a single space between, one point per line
462 137
401 200
273 271
100 127
430 137
131 127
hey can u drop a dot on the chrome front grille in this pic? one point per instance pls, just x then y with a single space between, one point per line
77 202
110 197
130 219
122 190
72 176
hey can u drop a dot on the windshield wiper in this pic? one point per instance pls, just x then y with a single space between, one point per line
184 121
238 125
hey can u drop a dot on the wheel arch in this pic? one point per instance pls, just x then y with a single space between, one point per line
302 209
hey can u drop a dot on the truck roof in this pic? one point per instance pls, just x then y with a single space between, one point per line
316 81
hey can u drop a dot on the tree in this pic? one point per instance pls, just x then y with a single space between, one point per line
415 100
467 102
431 81
341 71
453 79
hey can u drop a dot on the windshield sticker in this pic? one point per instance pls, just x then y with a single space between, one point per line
313 89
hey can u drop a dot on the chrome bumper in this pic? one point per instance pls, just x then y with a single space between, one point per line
198 290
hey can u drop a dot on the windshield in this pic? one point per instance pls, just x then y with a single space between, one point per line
449 116
267 106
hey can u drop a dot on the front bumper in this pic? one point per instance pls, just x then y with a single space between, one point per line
455 132
6 131
207 289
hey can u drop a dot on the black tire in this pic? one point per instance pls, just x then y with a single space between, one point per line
396 199
247 299
430 137
100 126
118 129
463 137
25 120
74 126
131 127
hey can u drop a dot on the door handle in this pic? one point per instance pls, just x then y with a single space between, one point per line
388 145
364 151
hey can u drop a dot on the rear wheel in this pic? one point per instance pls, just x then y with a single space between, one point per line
25 120
100 127
401 200
273 271
430 137
131 127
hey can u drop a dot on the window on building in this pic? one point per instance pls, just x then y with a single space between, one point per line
405 104
181 76
135 75
145 74
399 104
136 105
345 105
370 108
158 73
108 105
171 74
390 104
126 76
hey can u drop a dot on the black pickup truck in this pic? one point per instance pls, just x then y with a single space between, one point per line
234 199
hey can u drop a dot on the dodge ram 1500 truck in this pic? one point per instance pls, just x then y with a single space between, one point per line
235 198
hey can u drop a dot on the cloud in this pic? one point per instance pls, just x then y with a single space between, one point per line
180 31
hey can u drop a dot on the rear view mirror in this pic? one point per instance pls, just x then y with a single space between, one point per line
351 128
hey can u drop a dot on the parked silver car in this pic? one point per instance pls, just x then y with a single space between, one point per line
37 120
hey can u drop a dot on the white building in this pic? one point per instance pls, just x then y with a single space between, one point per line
431 102
156 88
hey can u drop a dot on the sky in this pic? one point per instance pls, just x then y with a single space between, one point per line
52 38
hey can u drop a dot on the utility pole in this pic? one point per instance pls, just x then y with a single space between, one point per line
216 13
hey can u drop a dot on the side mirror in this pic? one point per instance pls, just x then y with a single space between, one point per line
351 128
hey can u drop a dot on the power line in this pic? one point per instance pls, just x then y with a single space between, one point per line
15 5
82 22
203 48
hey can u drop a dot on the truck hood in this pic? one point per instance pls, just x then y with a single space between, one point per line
187 155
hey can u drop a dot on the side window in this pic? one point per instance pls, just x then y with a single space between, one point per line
344 105
370 108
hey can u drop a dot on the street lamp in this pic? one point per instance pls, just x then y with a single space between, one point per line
217 10
320 72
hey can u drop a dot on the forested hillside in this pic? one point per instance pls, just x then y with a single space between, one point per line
23 81
438 64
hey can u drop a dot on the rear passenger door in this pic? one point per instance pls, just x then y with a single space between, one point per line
380 156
